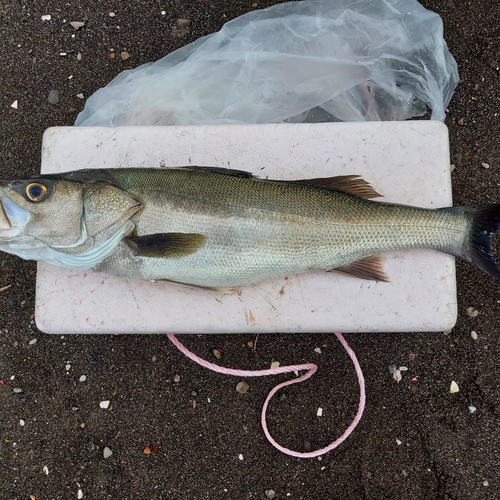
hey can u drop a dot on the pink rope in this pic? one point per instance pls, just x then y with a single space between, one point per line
311 369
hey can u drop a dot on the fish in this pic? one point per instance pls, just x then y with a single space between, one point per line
218 228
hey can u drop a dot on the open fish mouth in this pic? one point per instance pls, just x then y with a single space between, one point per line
13 218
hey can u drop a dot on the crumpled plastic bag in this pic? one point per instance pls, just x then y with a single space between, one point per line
325 60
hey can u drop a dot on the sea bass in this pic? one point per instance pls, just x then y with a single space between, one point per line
218 228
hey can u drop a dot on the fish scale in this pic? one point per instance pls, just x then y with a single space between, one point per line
217 228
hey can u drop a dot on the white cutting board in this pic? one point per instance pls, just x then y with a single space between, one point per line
408 162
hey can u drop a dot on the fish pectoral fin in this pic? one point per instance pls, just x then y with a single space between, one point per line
369 268
166 245
350 184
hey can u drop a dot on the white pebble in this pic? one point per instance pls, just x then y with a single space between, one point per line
14 104
104 404
80 96
79 56
397 376
33 341
22 423
398 442
319 413
112 14
472 312
46 17
12 377
240 456
403 368
454 387
485 483
82 378
485 165
472 409
17 390
68 367
317 350
275 364
107 452
163 13
46 470
63 54
79 495
473 334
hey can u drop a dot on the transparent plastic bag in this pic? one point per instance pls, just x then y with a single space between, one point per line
325 60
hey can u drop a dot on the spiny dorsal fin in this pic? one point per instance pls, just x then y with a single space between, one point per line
166 245
221 170
350 184
369 268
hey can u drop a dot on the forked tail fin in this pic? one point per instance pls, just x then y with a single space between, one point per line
484 222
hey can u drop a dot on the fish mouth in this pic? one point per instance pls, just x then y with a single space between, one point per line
13 218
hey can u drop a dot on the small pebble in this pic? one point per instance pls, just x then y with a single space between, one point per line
472 312
79 56
125 56
307 445
454 387
472 409
53 97
485 165
275 364
177 378
317 350
68 367
319 413
82 378
397 375
112 14
79 495
32 341
392 369
17 390
153 359
82 425
217 354
63 54
14 104
398 442
270 494
403 368
240 456
46 17
452 167
77 25
80 96
282 396
112 55
107 452
90 446
22 423
473 334
104 404
183 23
163 13
93 362
242 387
255 5
485 483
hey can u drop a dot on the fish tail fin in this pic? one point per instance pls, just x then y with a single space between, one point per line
477 249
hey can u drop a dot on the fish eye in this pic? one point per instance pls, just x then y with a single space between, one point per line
36 191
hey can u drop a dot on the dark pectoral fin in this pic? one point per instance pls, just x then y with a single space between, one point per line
351 184
369 268
166 244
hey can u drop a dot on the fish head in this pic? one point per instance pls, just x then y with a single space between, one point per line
40 216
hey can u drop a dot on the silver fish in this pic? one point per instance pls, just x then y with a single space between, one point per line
218 228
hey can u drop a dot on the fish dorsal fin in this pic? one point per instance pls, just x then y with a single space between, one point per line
369 268
221 170
350 184
166 245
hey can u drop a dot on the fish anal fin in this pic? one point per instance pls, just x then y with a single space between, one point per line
369 268
166 245
350 184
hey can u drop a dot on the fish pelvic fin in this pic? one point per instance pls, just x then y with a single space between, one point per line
166 245
477 249
350 184
369 268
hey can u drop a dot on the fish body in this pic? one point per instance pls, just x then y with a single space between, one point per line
215 228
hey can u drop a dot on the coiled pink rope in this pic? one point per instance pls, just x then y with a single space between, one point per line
311 369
